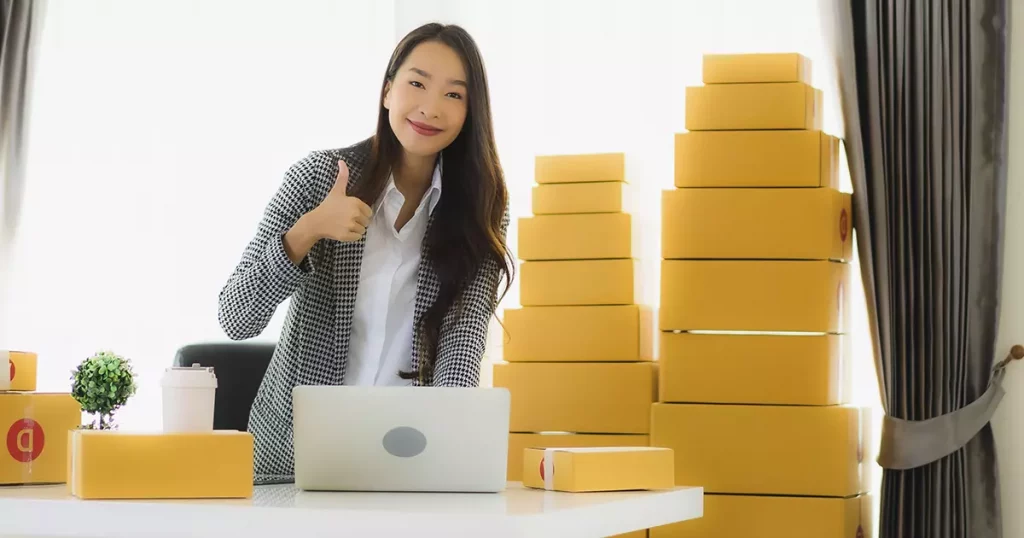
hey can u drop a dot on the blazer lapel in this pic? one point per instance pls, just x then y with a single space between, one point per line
426 294
348 261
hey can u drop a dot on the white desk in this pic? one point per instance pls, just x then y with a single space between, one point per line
281 511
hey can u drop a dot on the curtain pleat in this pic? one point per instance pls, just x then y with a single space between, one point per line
924 87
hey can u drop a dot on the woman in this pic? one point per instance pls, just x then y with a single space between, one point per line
391 250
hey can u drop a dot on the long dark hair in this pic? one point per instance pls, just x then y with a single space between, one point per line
466 231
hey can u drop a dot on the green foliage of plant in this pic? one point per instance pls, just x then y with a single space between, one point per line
102 384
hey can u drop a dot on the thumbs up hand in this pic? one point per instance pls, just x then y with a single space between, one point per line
339 216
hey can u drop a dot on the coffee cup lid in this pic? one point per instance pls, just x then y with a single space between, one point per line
194 376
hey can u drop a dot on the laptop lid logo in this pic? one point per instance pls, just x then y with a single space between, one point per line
404 442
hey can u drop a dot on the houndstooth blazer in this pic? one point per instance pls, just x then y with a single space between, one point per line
314 340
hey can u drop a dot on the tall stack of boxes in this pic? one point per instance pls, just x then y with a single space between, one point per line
34 425
577 353
754 367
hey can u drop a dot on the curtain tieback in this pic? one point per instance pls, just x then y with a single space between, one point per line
906 444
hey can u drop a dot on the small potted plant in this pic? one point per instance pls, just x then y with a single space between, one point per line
102 384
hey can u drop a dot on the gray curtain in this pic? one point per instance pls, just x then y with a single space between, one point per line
923 85
19 28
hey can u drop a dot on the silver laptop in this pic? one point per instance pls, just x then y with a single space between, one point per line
437 439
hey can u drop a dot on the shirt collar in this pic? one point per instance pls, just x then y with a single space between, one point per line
432 196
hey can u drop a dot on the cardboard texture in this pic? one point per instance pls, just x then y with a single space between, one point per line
592 469
578 334
579 397
519 442
124 465
782 158
755 369
18 370
574 198
580 282
577 237
736 516
577 168
737 107
35 426
772 223
757 67
759 296
766 450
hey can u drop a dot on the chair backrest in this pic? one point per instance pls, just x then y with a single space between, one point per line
239 367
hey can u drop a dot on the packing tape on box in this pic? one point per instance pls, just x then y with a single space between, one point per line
5 370
549 469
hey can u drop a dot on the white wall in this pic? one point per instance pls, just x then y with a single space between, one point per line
1008 424
160 130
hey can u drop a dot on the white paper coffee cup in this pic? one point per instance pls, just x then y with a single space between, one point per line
188 398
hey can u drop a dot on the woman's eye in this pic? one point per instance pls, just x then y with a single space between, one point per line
416 84
455 95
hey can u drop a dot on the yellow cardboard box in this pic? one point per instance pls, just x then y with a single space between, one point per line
780 158
756 67
124 465
519 442
18 370
758 296
734 516
35 426
799 224
577 237
734 107
766 449
755 369
588 469
580 282
579 334
579 397
572 198
634 534
577 168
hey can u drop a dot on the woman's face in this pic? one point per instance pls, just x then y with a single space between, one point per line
427 100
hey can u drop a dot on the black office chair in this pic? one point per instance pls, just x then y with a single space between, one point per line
239 367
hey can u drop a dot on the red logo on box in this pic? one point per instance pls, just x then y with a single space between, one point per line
860 531
844 225
542 469
12 370
25 440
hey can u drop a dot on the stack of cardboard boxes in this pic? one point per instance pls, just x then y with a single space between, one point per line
578 355
34 426
756 245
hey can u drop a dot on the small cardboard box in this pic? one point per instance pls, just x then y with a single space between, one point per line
766 449
519 442
579 397
579 334
796 224
757 67
588 469
755 369
732 516
577 237
758 296
736 107
580 282
574 198
580 168
18 370
35 426
110 464
782 158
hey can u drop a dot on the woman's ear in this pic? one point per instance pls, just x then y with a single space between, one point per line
387 93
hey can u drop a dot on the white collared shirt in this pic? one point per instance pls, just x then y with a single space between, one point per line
381 342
